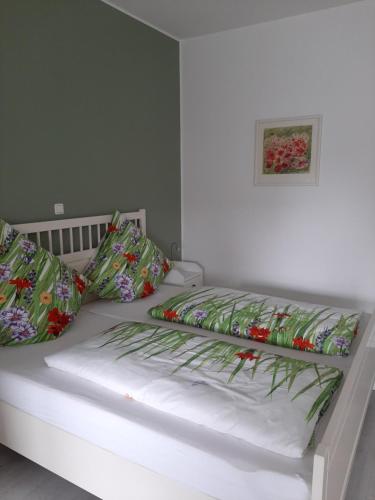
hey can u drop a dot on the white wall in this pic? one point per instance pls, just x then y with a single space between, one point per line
310 242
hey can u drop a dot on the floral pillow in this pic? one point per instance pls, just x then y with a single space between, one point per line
39 295
127 265
7 235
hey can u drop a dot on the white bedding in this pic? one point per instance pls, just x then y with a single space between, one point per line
167 445
206 382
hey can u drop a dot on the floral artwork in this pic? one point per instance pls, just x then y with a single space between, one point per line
263 319
127 264
39 295
287 151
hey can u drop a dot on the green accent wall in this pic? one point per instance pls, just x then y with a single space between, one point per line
89 115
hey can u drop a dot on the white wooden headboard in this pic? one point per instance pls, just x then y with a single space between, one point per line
75 240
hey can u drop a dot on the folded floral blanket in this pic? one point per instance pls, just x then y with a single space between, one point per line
271 320
267 400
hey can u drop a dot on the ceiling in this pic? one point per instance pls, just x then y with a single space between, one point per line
189 18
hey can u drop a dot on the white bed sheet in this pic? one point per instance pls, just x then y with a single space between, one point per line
218 465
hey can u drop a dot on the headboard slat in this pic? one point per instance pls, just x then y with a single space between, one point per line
90 236
50 247
81 238
61 245
71 241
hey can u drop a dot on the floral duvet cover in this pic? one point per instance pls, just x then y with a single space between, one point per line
267 400
270 320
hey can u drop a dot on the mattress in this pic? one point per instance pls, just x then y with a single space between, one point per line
169 445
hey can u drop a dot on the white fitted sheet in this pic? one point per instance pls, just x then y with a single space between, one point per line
165 444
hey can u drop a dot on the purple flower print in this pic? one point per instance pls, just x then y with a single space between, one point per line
118 248
320 339
13 316
63 291
135 233
133 230
27 258
341 342
124 224
27 246
187 307
23 331
29 250
90 267
5 272
127 294
200 314
155 269
123 281
9 236
235 329
104 283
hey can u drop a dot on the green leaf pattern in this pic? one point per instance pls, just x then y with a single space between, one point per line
39 295
189 351
127 265
264 319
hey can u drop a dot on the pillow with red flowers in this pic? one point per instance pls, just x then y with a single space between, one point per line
127 265
39 295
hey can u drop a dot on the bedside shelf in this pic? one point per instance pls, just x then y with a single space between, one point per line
185 274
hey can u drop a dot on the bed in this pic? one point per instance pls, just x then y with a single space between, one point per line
104 434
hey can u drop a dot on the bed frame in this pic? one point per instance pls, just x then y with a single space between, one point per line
109 476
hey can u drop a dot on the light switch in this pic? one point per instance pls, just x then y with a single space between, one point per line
59 208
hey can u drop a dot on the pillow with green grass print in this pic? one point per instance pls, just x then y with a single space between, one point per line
7 235
39 295
127 265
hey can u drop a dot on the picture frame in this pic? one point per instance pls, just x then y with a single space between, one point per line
287 151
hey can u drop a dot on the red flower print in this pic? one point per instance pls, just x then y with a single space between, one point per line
247 355
148 289
80 284
20 284
112 229
130 257
281 315
166 266
287 153
59 320
170 315
54 329
259 334
302 344
53 315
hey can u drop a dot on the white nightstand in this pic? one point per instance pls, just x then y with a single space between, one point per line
185 274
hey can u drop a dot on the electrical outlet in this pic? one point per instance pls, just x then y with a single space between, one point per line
59 208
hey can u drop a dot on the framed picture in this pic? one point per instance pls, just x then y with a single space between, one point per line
287 151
